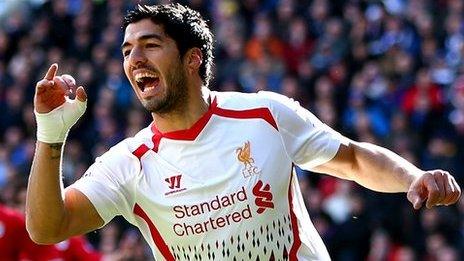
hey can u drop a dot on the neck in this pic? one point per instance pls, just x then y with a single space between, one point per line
197 105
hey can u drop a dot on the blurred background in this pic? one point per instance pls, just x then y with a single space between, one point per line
389 72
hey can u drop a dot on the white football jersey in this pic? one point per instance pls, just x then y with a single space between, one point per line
224 189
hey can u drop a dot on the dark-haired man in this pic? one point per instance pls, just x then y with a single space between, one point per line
212 176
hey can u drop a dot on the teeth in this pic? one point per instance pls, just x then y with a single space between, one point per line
149 89
138 77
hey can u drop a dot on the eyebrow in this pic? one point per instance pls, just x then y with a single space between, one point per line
144 37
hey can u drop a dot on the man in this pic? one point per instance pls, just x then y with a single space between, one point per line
212 177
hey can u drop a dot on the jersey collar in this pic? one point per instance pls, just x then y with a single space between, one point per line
192 132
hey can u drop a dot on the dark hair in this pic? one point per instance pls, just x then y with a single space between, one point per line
184 25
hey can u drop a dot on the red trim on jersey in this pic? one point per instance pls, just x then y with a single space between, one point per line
187 134
156 141
258 113
140 151
296 235
159 242
193 132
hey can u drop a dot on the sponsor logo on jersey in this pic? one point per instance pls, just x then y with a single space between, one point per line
244 156
263 196
232 208
174 181
226 205
174 184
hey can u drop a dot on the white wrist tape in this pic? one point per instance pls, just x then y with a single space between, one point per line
53 126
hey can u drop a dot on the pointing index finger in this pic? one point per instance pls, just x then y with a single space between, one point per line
51 72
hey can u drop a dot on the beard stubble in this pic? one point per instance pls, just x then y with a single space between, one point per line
176 95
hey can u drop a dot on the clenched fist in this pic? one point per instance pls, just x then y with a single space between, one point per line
58 104
435 188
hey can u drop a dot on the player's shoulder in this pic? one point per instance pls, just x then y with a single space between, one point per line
239 100
123 152
144 136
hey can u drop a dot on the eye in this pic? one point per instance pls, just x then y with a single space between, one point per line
126 52
151 45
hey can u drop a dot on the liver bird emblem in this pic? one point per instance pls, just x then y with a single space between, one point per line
244 156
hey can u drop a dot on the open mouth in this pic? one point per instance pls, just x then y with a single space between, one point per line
146 81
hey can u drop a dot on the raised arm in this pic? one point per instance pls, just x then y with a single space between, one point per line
382 170
52 214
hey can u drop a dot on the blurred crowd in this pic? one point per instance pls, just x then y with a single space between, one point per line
389 72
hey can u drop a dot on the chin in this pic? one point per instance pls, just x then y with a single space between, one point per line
153 106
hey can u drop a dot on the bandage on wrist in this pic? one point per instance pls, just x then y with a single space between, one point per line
53 126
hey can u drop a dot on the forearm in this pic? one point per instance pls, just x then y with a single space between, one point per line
45 210
50 216
380 169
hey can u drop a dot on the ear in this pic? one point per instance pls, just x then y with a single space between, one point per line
193 59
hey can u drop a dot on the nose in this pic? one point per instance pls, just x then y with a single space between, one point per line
137 56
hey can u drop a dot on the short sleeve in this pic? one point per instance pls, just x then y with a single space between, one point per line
307 140
109 183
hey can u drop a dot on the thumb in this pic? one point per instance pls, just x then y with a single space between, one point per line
80 94
416 198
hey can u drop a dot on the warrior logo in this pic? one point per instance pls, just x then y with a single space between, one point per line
174 181
244 156
174 184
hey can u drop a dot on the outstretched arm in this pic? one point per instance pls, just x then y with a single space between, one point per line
52 214
382 170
